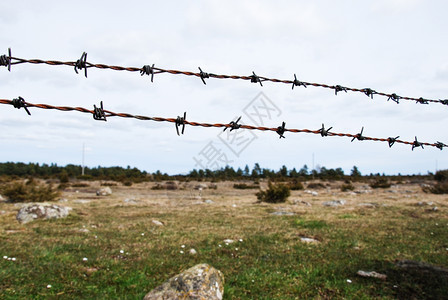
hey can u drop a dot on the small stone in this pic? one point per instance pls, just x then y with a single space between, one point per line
81 201
371 274
233 205
314 193
143 233
283 213
208 201
6 257
193 251
241 240
228 241
104 191
130 201
183 246
309 240
121 251
349 281
84 230
158 223
85 259
13 259
334 203
48 286
181 252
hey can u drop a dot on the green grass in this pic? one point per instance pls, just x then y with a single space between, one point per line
270 262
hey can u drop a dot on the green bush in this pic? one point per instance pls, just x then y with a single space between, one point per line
348 186
127 183
243 186
30 192
274 194
316 185
296 185
441 175
439 188
382 183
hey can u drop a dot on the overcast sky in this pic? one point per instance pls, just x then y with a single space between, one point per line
392 46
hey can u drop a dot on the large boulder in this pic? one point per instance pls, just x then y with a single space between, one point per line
199 282
33 211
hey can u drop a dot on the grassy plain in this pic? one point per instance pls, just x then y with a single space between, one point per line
128 255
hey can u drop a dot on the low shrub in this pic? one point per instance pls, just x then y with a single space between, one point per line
274 194
316 185
439 188
30 192
80 185
441 175
296 185
127 183
108 184
382 183
243 186
348 186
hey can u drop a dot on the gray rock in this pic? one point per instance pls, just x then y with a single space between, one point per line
35 211
301 202
62 200
208 201
308 240
81 201
158 223
104 191
193 251
283 213
199 282
130 201
371 274
369 205
334 203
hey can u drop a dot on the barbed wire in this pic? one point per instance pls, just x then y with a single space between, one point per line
151 70
99 113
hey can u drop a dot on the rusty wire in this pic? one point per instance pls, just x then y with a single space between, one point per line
82 63
99 113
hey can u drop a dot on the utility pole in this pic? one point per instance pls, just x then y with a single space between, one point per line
83 150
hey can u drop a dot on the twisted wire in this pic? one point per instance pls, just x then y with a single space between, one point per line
146 69
109 113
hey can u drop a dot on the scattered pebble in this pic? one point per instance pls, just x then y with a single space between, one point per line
193 251
236 249
233 205
372 274
121 251
349 281
181 252
309 240
85 259
48 286
158 223
183 246
13 259
241 240
96 236
221 246
228 241
6 257
227 244
143 233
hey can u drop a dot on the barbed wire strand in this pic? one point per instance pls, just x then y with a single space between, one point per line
101 114
82 63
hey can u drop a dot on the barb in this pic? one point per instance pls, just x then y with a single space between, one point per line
178 121
19 103
234 125
323 131
98 112
147 70
181 121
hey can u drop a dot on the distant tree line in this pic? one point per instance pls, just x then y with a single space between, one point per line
135 175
